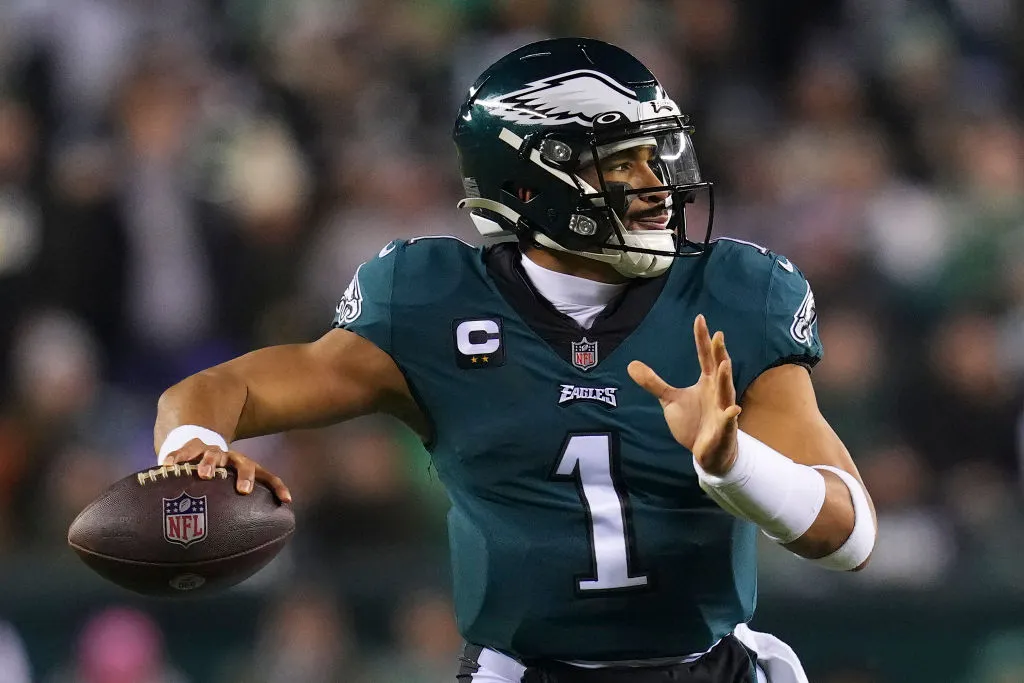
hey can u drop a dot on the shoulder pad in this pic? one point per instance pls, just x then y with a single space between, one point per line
403 273
430 256
773 296
424 238
752 258
753 245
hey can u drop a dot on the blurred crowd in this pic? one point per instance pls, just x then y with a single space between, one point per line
181 182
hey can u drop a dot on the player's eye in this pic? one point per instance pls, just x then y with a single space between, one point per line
618 167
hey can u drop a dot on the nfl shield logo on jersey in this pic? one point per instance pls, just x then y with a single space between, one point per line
584 354
185 519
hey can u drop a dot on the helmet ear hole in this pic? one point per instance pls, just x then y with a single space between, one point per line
523 194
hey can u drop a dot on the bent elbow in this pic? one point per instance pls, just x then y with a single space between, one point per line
863 565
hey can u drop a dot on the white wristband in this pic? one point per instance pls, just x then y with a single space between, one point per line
767 488
861 541
179 436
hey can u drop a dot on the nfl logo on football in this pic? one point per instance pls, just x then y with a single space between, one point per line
584 354
185 519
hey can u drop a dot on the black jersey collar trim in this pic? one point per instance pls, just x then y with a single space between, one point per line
618 320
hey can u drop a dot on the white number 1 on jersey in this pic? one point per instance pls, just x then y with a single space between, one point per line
588 459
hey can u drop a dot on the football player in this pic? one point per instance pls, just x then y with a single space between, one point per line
607 476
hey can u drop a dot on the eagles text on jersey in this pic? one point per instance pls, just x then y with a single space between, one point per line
576 514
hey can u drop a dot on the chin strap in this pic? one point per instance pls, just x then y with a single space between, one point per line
545 241
642 264
628 263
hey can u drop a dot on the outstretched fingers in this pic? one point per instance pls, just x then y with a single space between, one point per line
702 339
718 350
647 378
725 390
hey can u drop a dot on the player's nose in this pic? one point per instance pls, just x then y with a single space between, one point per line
649 179
659 197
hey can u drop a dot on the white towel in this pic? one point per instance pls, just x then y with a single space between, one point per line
779 662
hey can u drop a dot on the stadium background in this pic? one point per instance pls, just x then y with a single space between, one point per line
183 181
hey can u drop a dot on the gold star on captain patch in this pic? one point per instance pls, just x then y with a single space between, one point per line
485 359
472 359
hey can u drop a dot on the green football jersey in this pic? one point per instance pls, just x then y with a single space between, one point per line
577 528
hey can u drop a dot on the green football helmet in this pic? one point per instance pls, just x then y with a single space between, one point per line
538 116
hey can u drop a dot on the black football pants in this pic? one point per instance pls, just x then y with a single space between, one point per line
728 662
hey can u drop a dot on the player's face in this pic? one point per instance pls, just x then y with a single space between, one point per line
648 210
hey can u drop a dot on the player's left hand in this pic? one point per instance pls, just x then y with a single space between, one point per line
701 417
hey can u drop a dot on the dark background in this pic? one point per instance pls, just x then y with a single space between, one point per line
184 181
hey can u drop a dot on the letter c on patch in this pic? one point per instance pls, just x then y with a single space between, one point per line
477 337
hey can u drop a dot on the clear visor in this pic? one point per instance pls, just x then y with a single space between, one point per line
669 155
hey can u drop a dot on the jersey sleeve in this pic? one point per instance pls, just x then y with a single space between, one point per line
365 307
791 322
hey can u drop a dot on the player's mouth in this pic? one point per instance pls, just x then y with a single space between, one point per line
657 221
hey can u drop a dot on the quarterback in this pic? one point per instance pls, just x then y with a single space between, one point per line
609 460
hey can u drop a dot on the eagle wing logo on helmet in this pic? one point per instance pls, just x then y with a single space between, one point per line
576 96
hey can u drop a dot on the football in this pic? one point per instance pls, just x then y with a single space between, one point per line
166 532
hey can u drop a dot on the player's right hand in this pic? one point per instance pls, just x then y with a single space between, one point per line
212 457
